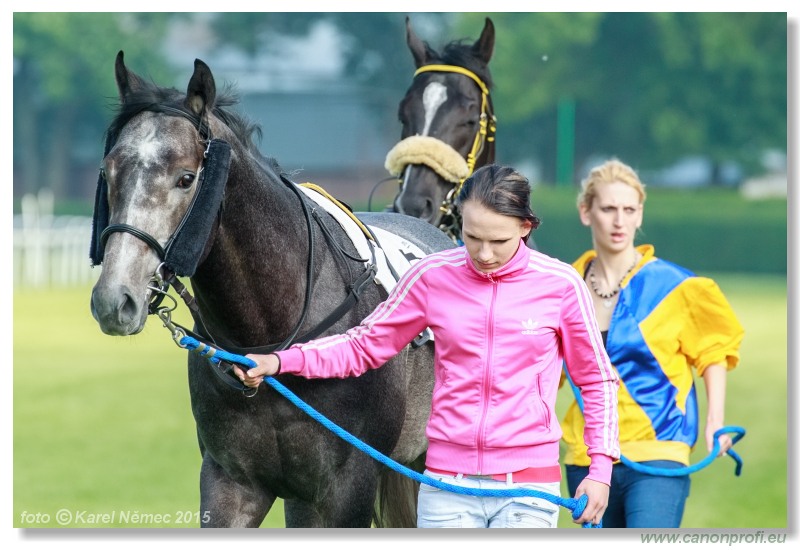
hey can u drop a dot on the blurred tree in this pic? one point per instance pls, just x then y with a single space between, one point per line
375 47
649 87
377 59
64 86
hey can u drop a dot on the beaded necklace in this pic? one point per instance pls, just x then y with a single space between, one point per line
608 297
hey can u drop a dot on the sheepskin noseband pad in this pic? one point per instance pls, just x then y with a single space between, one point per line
432 152
187 244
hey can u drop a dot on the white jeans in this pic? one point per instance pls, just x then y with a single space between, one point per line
444 508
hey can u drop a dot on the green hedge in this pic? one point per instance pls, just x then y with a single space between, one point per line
710 230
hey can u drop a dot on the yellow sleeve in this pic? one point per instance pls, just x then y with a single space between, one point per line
712 334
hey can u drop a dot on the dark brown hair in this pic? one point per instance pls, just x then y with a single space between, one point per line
501 189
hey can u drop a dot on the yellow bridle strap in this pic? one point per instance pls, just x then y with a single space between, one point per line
485 132
480 136
453 69
346 210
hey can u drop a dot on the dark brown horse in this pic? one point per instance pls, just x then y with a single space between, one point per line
184 191
448 127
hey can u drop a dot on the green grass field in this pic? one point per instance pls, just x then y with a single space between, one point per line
104 437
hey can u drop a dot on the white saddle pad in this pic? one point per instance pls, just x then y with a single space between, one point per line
389 250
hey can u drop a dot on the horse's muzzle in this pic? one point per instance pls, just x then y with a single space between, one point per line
117 311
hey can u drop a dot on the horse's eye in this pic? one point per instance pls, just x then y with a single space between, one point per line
102 172
186 181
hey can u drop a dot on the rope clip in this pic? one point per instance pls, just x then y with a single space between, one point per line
165 314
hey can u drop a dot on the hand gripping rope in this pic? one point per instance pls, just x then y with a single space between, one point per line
576 506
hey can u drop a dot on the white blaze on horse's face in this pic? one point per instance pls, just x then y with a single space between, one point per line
433 97
148 149
149 200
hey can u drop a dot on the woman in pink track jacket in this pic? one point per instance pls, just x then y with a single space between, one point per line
505 318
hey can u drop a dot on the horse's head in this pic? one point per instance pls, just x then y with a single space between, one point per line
448 125
156 167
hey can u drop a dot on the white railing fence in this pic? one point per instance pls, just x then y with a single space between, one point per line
50 250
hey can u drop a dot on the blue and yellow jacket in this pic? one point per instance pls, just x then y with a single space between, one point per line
667 320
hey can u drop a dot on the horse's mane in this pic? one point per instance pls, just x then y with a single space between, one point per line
151 96
460 54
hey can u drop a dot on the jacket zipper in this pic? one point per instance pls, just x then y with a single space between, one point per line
487 376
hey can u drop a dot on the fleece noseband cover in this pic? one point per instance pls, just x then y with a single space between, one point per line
430 151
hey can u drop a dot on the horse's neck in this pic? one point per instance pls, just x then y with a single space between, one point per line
258 215
256 265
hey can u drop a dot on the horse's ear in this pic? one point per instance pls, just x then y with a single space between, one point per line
484 46
202 91
417 46
127 81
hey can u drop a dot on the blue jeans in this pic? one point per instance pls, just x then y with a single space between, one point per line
639 500
443 508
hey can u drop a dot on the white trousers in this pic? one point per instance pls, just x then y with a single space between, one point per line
443 508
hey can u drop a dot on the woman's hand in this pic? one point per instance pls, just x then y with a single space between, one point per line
725 441
266 365
597 494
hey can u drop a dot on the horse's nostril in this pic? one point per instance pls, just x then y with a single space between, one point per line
115 309
417 207
428 211
127 309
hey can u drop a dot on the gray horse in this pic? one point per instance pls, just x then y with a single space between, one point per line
183 191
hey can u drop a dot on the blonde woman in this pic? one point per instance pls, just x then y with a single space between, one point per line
660 325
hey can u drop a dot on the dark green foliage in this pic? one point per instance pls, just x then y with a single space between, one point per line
706 231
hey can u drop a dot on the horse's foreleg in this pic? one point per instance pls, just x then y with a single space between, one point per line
346 498
301 514
347 503
351 499
227 503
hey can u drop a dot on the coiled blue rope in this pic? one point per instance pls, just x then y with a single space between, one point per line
686 470
576 506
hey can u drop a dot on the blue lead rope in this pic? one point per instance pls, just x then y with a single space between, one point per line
577 506
686 470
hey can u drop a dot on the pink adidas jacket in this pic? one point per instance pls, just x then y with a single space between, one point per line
501 340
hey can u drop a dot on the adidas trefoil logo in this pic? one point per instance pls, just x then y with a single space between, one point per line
529 326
